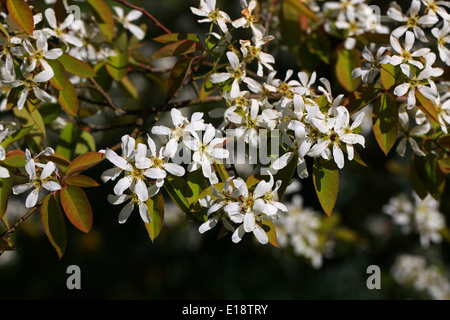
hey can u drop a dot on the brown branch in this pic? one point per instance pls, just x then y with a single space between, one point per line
146 13
111 103
13 228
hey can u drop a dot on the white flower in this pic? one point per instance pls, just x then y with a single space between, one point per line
404 55
248 20
32 82
255 207
156 163
235 71
415 83
342 132
436 7
60 31
43 180
411 20
208 10
126 20
130 164
206 151
409 133
442 38
373 64
9 49
254 51
182 128
39 55
215 205
429 220
129 207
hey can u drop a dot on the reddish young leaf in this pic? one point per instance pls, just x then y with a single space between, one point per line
60 79
15 158
104 17
174 37
68 99
177 49
77 67
81 181
6 185
178 75
53 221
84 162
77 207
21 14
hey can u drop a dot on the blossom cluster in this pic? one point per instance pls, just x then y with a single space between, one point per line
418 216
241 210
312 122
413 271
25 60
302 230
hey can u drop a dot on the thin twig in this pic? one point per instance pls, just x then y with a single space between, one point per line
111 103
13 228
146 13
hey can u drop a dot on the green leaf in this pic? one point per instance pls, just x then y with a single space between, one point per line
286 174
67 140
385 121
117 66
319 45
444 165
178 48
84 162
16 136
155 207
207 88
81 181
427 175
174 37
49 112
347 61
428 107
6 185
178 75
362 97
76 66
128 88
54 225
85 143
197 183
60 79
271 232
68 99
15 159
221 170
21 14
390 75
302 8
29 116
77 207
176 187
326 183
104 17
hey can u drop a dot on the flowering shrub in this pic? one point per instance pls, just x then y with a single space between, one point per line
63 64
